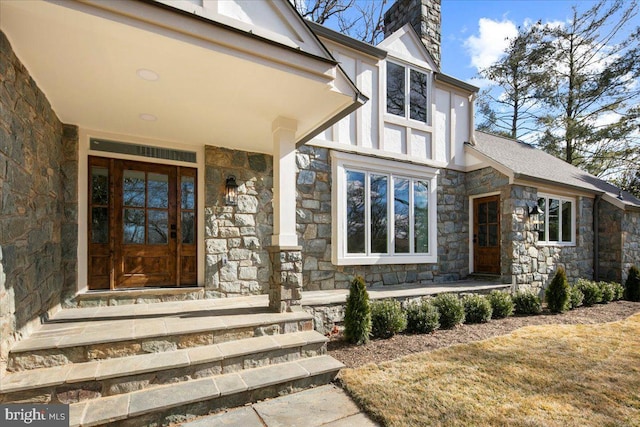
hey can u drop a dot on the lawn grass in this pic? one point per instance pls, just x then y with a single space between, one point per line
553 375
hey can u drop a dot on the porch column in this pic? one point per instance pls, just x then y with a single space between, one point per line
285 284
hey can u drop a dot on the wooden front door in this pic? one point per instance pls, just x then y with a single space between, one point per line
142 220
486 235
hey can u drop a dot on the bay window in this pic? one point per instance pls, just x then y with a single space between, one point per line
384 212
558 225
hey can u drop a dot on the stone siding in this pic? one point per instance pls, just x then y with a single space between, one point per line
630 242
619 242
314 231
425 18
237 237
38 203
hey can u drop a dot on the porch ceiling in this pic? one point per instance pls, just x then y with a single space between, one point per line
215 85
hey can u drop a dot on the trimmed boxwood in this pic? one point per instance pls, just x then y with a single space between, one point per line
575 297
422 317
451 310
357 315
590 290
477 309
618 291
387 318
606 291
526 302
501 304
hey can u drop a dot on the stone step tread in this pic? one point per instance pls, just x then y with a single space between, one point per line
153 362
76 334
109 409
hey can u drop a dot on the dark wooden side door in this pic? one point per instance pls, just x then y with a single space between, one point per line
142 220
486 235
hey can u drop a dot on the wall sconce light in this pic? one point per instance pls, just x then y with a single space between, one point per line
231 191
536 217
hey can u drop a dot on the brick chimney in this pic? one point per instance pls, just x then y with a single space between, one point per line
424 17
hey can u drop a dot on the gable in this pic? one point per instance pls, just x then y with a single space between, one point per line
406 45
273 20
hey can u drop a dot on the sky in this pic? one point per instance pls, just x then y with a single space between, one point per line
474 31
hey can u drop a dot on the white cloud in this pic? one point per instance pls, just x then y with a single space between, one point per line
487 47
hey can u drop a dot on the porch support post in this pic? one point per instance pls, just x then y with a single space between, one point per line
285 284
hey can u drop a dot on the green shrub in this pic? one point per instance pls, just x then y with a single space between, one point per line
451 310
477 309
387 318
590 290
526 302
575 297
357 315
632 285
422 317
501 304
607 292
557 292
618 291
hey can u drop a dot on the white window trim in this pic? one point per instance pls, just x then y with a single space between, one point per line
406 120
573 201
340 162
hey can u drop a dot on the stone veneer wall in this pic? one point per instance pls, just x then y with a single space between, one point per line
425 18
525 262
38 203
630 242
619 234
314 231
237 237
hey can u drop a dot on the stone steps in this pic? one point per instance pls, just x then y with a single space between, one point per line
180 402
64 341
100 378
168 362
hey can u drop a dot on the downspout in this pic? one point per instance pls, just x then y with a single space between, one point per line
596 238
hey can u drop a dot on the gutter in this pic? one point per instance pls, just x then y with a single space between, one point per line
358 101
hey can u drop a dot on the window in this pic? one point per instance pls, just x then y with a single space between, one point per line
384 212
558 225
406 84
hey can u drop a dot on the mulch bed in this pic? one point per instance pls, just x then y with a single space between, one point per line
404 344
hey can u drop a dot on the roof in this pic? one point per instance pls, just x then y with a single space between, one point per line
456 82
528 162
347 41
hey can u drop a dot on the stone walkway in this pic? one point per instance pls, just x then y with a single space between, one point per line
326 406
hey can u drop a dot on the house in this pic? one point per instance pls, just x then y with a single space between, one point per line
214 149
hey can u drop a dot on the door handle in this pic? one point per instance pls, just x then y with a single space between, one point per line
475 237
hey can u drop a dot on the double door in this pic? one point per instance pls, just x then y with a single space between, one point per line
142 224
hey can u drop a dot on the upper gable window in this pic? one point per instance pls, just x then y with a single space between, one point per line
407 92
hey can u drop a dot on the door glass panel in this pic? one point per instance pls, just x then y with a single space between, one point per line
421 216
401 215
133 188
158 193
492 211
493 235
99 186
188 192
482 236
482 213
158 227
188 227
379 187
100 225
355 212
133 224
